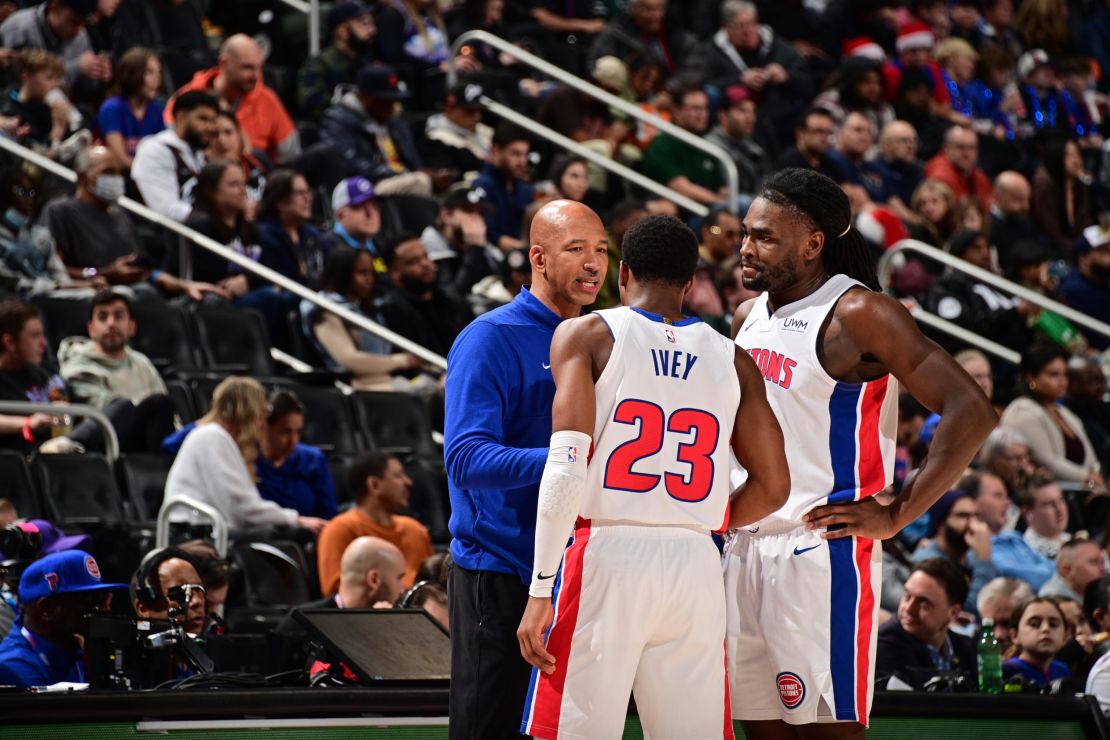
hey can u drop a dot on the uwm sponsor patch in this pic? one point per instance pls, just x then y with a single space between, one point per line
791 690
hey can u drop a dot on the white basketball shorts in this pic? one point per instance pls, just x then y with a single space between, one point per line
641 610
802 615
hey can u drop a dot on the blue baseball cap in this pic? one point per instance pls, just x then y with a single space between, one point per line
67 572
353 191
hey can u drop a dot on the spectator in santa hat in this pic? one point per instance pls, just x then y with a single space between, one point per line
915 52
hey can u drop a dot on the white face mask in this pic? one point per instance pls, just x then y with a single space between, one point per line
109 188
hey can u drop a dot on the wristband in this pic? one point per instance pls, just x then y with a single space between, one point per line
88 272
28 435
154 275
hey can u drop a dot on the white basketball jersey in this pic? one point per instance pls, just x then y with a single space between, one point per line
666 406
840 437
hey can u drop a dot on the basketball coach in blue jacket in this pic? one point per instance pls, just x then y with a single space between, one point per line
498 423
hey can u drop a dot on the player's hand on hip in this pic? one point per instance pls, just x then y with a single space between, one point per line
537 618
867 518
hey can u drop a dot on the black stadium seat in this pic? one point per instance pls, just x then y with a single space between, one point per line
63 317
165 335
19 486
80 490
234 340
430 502
143 480
396 421
330 421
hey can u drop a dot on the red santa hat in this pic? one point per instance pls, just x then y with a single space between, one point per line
861 46
914 35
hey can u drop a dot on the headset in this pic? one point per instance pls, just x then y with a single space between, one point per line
148 589
408 599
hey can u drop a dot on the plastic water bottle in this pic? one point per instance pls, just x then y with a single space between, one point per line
990 660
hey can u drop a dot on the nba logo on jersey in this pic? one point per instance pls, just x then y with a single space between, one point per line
791 690
572 454
670 336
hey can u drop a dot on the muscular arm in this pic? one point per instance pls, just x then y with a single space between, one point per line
881 333
564 475
758 443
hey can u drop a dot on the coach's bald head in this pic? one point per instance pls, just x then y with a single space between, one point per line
569 256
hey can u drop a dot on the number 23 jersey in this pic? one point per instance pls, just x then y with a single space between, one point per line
666 405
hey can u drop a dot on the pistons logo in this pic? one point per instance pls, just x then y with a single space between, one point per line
791 690
52 580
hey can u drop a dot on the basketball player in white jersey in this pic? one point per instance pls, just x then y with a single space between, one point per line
803 582
655 401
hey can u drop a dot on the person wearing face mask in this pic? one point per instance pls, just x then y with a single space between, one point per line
95 238
352 39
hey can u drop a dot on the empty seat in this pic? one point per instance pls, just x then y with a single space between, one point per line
398 421
181 395
19 487
330 422
203 386
63 317
164 334
143 479
274 574
80 490
234 340
430 501
339 466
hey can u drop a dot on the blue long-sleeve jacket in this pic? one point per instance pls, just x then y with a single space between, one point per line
498 425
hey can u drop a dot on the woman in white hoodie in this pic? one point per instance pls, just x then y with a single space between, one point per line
217 460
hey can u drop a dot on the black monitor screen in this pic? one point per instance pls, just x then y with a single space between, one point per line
383 644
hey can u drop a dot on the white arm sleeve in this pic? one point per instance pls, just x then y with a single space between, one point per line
561 490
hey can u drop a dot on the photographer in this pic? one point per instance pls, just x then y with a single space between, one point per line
167 585
916 645
58 593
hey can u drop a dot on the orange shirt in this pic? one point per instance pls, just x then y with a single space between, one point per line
260 112
410 536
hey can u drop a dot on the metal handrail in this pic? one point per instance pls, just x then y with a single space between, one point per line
242 261
731 174
966 335
181 501
589 154
312 10
913 245
24 408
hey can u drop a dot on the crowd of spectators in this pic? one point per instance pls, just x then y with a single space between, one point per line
975 126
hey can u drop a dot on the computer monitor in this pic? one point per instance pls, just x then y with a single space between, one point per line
383 645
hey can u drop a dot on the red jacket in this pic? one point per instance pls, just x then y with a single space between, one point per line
260 113
977 185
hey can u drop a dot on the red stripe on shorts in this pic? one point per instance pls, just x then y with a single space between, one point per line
864 625
548 701
728 734
872 472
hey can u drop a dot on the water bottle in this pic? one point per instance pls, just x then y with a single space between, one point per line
990 660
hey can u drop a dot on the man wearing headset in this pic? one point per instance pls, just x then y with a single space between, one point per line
167 585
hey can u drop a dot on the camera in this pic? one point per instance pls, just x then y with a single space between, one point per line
20 542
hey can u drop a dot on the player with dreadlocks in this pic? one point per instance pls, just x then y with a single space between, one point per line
827 343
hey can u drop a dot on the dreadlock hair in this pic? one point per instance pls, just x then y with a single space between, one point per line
821 202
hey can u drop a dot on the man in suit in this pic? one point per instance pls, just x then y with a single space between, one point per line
916 644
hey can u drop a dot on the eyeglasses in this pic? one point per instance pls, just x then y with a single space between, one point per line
23 192
301 193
